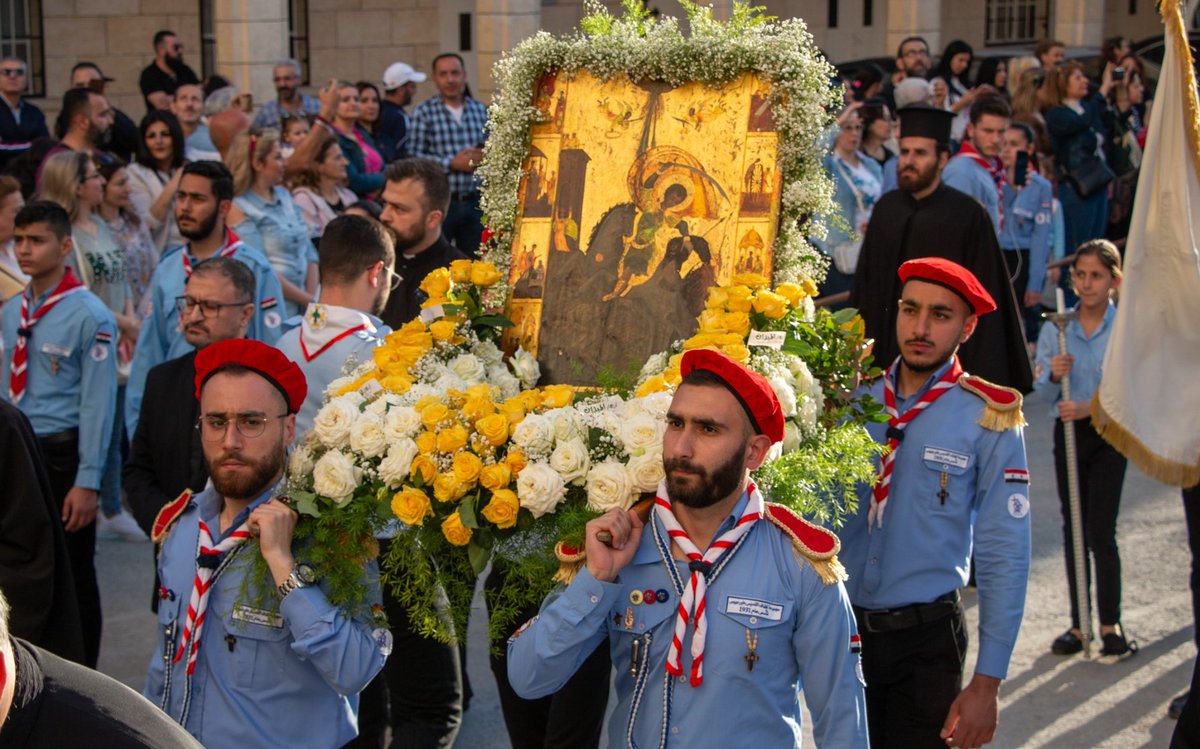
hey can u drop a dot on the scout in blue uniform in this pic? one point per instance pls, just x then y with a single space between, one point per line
712 648
201 204
235 665
1029 229
955 479
59 368
357 256
976 168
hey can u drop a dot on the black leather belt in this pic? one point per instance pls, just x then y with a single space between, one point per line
892 620
465 197
64 437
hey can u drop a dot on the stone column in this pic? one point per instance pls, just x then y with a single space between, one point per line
251 36
499 26
1078 23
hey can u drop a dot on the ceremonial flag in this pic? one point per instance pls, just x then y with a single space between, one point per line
1148 398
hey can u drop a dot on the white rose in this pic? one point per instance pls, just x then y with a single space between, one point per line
570 458
335 476
525 367
499 376
448 382
401 422
791 437
802 378
567 423
394 468
354 398
336 385
300 462
654 404
642 433
540 489
785 394
534 435
367 437
653 366
488 352
646 471
608 487
469 368
774 453
333 422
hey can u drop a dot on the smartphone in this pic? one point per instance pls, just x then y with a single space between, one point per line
1118 75
1021 170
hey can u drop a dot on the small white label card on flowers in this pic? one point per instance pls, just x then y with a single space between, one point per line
767 338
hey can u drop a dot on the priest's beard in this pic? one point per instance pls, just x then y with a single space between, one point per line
917 180
706 490
247 485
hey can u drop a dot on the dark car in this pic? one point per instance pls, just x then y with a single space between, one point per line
1150 53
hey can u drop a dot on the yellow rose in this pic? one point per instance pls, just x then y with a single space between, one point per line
460 271
513 410
516 461
495 477
674 361
737 323
672 376
718 297
484 274
454 530
426 402
396 383
434 414
753 280
792 292
737 352
809 286
712 321
427 442
477 408
531 398
701 340
739 299
443 331
438 301
502 510
729 339
411 506
437 283
466 467
482 391
354 386
557 396
493 428
425 468
452 438
447 488
770 305
655 384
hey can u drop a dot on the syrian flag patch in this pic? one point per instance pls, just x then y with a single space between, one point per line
855 644
1016 476
103 337
268 303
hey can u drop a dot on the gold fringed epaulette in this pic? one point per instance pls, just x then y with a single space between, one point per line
167 516
1002 405
811 542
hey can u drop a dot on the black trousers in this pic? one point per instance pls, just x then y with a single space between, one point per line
1191 510
571 717
913 676
1187 731
62 461
1017 263
1101 474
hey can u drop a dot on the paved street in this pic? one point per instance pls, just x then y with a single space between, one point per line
1048 701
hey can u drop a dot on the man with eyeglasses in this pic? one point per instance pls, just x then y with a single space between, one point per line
912 61
287 78
341 330
202 202
21 123
167 73
166 458
241 661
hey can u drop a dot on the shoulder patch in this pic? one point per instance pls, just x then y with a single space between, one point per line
1002 405
168 515
811 542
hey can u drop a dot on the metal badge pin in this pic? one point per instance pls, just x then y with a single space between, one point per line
628 617
661 595
635 597
636 657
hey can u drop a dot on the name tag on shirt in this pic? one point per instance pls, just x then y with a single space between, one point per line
261 617
946 457
54 349
754 607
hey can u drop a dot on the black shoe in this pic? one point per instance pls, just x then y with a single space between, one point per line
1068 643
1175 709
1116 644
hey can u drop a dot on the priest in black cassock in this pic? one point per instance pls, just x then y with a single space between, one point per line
925 218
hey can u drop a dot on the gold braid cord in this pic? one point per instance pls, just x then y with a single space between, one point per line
570 562
1172 13
826 563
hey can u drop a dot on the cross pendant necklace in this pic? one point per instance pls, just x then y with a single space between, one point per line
942 493
751 657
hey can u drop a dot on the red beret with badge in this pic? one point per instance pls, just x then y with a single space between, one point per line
751 389
262 359
951 275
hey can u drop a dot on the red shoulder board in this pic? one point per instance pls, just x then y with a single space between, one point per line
996 396
168 515
810 539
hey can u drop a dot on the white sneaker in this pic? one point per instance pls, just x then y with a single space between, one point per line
119 527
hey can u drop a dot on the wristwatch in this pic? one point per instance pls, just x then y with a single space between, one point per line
301 577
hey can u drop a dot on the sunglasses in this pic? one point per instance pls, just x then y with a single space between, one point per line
12 72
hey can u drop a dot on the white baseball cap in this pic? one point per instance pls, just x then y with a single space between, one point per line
398 74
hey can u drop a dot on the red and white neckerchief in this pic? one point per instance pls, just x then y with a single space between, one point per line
324 326
896 426
208 559
18 370
691 602
231 246
994 168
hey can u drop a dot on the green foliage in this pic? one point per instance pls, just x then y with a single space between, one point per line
834 349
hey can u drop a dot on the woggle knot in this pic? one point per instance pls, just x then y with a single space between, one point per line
895 433
701 566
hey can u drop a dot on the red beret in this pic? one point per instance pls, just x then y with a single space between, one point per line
953 276
267 361
750 388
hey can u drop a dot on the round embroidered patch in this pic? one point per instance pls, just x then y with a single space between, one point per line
383 640
99 352
272 319
1018 505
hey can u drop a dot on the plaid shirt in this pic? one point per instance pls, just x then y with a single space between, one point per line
436 135
270 114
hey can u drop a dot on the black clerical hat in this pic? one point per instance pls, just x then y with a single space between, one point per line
924 121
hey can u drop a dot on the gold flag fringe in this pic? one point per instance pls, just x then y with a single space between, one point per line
1176 31
1151 463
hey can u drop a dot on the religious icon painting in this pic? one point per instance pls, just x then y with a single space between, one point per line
751 252
539 175
550 98
760 177
760 119
531 247
525 315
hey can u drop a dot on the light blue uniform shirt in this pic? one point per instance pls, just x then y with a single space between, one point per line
290 677
277 228
1089 358
965 175
320 344
889 175
1029 225
803 628
924 548
71 374
161 338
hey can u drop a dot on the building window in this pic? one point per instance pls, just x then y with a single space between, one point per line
21 36
832 13
298 35
208 40
1011 21
464 32
868 12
